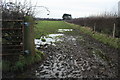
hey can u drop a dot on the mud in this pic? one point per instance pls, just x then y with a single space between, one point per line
77 56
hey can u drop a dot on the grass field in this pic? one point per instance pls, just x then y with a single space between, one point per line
51 27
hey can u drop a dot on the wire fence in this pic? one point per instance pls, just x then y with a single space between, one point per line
106 25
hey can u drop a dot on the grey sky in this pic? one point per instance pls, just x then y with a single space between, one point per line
78 8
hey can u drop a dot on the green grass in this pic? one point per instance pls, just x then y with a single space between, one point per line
104 38
49 27
43 40
22 62
102 55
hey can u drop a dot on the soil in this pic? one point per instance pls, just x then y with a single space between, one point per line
77 56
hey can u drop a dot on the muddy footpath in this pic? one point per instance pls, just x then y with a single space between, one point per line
75 55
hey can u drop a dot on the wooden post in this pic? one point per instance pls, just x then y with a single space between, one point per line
94 27
29 36
1 41
119 9
114 30
84 24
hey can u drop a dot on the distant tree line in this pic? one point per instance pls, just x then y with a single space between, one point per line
49 19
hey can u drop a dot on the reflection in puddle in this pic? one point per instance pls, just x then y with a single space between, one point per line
49 39
63 30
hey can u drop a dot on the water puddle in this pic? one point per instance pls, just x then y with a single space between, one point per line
50 39
47 40
64 30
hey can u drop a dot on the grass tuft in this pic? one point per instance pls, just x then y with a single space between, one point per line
22 62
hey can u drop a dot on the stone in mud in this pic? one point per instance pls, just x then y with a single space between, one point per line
43 72
76 72
89 68
64 64
57 74
94 67
37 74
47 63
75 44
58 49
46 67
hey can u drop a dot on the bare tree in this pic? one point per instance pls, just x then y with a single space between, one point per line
16 10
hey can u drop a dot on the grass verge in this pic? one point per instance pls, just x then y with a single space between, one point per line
22 63
104 38
114 42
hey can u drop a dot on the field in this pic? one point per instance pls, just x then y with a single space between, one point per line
49 27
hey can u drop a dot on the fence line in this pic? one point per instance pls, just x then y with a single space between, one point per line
100 24
114 30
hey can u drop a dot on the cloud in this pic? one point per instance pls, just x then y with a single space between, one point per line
77 8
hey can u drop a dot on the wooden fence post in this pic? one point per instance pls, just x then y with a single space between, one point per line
119 9
29 36
0 34
94 27
114 30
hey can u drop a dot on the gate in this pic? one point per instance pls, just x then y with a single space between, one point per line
12 39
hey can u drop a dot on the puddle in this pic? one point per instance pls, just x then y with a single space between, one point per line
63 30
49 39
55 35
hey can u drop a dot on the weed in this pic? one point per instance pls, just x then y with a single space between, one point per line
43 40
19 65
100 54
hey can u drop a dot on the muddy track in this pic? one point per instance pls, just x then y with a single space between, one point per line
77 56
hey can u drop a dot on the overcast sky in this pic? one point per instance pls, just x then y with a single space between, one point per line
77 8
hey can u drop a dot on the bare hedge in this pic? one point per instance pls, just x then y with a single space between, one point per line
101 24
